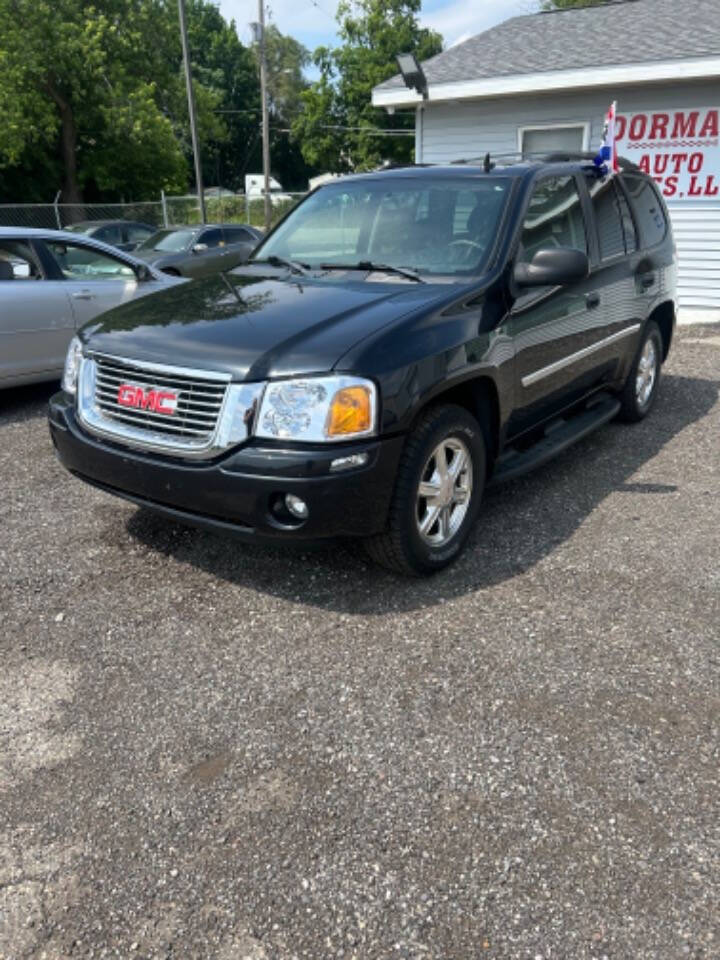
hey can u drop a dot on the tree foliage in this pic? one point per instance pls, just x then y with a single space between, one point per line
286 60
338 125
75 76
92 97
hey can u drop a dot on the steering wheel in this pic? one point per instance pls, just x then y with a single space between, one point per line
468 247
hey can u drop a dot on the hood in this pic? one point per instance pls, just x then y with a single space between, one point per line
255 327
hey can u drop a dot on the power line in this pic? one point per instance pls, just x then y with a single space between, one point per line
322 9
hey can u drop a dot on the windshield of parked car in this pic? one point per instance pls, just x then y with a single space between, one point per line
432 225
171 241
81 227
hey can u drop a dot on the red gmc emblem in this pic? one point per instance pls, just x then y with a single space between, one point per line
159 401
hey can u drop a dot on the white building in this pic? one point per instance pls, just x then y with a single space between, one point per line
543 82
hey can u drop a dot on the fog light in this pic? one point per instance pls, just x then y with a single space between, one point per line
297 507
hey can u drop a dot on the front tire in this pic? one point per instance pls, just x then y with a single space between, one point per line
642 383
437 495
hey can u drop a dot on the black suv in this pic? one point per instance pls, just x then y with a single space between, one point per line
399 340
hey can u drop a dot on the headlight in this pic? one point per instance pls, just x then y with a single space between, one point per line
72 366
318 409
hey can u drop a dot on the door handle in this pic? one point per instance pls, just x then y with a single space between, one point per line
647 280
83 295
592 300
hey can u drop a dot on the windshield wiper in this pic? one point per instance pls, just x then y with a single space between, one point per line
294 265
371 265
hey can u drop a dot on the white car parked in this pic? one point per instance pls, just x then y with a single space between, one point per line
51 283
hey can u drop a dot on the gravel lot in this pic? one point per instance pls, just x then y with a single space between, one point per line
215 751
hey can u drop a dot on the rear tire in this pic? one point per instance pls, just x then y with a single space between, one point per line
642 383
437 496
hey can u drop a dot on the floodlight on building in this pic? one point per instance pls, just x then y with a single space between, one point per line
412 73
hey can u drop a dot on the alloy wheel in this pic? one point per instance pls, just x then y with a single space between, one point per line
444 492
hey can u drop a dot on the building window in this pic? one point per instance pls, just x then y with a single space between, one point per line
553 138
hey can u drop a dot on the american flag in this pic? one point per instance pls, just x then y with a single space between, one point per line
606 160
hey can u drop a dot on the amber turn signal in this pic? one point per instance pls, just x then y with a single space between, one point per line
351 412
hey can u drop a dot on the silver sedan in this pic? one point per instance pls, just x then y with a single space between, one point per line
51 283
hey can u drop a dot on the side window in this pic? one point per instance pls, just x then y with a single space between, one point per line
111 234
18 261
211 238
237 235
554 218
136 232
648 208
78 262
607 216
629 231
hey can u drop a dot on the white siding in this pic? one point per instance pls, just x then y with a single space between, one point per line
453 131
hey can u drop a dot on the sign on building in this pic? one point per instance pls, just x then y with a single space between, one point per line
679 148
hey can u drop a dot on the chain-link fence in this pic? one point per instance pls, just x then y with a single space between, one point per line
57 216
167 211
230 209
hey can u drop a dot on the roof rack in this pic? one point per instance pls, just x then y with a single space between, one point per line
565 156
400 165
569 156
489 161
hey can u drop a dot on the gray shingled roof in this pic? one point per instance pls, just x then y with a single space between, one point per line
630 31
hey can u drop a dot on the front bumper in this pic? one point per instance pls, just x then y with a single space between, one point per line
236 493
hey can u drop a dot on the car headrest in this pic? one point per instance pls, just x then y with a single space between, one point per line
6 270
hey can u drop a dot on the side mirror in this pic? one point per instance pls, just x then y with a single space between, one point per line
142 273
552 267
199 247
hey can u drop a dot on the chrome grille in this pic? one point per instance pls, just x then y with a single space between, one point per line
210 413
199 400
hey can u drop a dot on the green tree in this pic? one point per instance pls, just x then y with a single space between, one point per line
226 80
92 97
80 78
286 60
338 126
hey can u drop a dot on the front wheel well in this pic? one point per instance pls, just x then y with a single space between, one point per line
664 317
479 397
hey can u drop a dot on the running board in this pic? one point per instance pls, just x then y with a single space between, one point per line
559 436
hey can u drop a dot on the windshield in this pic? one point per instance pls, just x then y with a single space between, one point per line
81 227
431 225
173 241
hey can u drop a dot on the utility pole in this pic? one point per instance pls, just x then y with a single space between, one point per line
265 123
191 111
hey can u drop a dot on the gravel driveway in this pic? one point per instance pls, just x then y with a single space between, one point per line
215 751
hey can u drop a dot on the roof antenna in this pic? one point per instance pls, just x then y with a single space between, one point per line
487 165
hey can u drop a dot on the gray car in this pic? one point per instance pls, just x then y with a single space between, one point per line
199 251
123 234
51 283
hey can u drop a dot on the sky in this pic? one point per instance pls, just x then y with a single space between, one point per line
312 22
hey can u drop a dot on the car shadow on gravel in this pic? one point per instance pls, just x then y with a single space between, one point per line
18 404
520 523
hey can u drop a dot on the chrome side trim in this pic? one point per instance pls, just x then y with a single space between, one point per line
548 371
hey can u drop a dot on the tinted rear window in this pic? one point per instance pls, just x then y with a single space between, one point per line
648 209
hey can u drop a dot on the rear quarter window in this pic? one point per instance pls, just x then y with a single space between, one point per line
648 209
